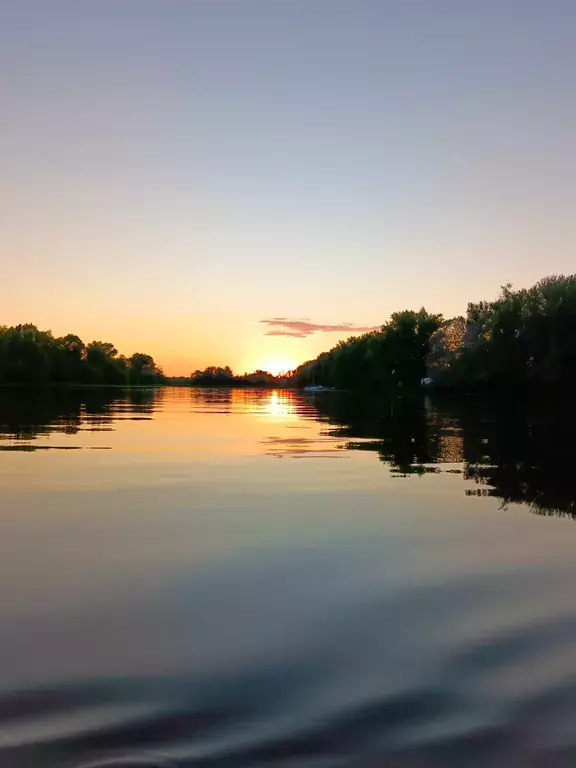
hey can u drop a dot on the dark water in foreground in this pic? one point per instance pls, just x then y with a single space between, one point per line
240 578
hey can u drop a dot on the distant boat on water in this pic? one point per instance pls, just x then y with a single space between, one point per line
316 387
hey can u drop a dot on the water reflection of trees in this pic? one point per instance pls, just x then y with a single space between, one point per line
216 400
397 430
517 451
28 414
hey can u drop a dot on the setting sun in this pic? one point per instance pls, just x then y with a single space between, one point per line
276 365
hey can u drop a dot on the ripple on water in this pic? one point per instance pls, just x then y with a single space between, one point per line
325 658
293 716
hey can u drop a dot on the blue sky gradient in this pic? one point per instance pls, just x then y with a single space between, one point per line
174 172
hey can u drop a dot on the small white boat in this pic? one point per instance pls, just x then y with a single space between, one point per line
316 387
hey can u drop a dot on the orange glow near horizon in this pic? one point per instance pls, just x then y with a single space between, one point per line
277 364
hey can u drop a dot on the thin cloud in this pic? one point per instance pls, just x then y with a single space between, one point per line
296 334
281 326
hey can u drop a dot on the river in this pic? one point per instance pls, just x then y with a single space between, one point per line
249 578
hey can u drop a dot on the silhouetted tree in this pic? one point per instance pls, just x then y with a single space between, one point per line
523 337
29 355
393 357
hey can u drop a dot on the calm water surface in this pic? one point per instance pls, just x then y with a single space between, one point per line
241 578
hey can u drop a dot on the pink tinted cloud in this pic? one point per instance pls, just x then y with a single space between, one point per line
281 326
296 334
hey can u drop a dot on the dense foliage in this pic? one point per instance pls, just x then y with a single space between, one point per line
526 336
391 357
31 356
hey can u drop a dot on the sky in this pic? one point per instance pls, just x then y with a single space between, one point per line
244 182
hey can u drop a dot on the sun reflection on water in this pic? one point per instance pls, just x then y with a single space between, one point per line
280 404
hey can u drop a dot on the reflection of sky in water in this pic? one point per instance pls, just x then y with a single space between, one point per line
187 571
514 454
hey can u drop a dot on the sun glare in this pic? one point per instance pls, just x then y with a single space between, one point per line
277 365
280 406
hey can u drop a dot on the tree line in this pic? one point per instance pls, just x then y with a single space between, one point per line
29 355
217 376
523 337
393 356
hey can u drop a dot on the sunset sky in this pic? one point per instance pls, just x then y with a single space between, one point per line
175 172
